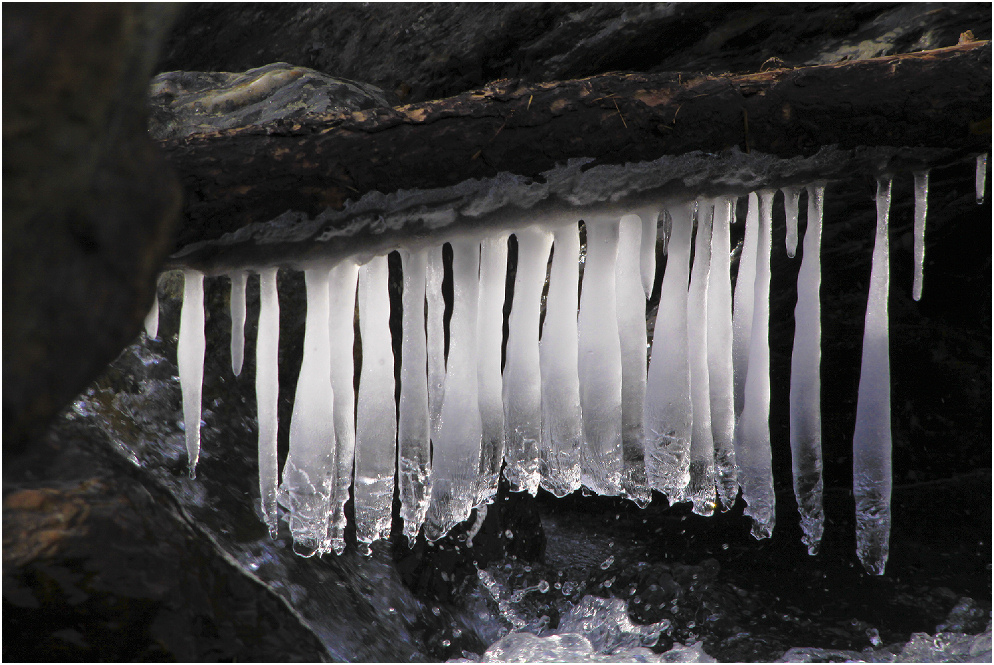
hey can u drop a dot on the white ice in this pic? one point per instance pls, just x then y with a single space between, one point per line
376 417
267 390
435 336
745 282
872 436
631 292
668 411
562 424
341 332
719 332
921 210
456 450
981 177
701 489
190 358
413 427
522 386
600 361
308 473
647 261
791 196
805 380
238 282
752 431
152 319
490 336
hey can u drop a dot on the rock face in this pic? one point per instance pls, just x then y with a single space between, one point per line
89 206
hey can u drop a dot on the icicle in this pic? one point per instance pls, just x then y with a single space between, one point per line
490 335
413 426
341 332
152 319
719 332
921 209
600 361
631 295
805 381
190 358
872 437
456 457
752 431
238 282
647 261
267 392
562 424
522 388
376 417
668 414
701 489
981 177
435 337
791 196
745 281
309 471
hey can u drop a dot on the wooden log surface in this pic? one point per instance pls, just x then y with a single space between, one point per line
937 103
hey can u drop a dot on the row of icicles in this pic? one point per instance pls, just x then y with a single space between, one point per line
577 405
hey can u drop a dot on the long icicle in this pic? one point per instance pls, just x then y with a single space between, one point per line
805 380
413 426
752 432
921 210
267 390
238 283
872 436
745 293
490 335
719 332
190 356
981 177
791 196
436 336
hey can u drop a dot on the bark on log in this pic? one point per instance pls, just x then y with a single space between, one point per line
937 103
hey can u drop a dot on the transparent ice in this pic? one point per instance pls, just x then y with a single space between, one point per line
190 358
490 336
267 390
152 319
921 210
238 283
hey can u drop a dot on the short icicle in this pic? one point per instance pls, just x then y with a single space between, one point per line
152 318
308 473
490 336
341 332
267 390
872 436
791 196
376 416
190 358
745 292
413 426
921 210
981 179
435 325
719 331
805 380
631 295
522 385
456 450
668 411
238 283
562 426
752 432
701 489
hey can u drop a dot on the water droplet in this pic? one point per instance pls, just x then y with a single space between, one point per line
607 563
509 534
446 643
874 636
436 611
543 586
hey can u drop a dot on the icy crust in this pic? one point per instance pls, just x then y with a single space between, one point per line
377 222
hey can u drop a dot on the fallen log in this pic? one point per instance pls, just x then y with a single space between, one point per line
879 115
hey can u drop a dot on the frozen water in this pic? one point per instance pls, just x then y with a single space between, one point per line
745 282
791 196
522 386
490 336
308 474
702 481
719 334
805 380
562 425
631 328
341 331
456 451
872 437
435 325
413 427
981 177
752 431
152 319
238 282
267 390
921 209
647 261
376 416
190 358
600 361
668 411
